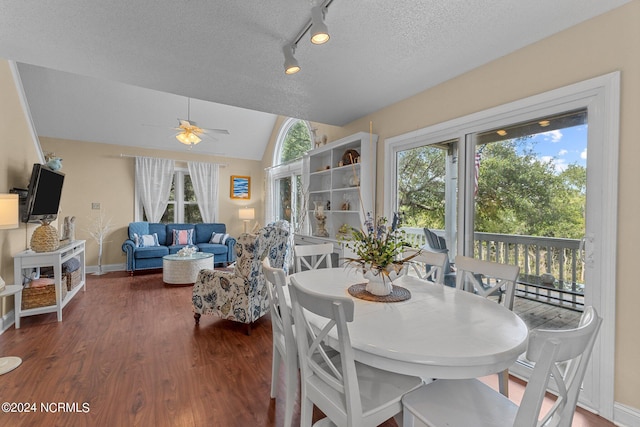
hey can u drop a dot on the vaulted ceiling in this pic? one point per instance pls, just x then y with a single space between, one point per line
120 71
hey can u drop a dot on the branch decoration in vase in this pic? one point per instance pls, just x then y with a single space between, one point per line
99 229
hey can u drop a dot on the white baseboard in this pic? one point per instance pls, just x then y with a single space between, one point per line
105 268
625 416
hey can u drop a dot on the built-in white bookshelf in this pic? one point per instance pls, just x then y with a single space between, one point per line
340 177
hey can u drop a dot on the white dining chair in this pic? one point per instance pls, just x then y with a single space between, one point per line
311 257
347 392
463 403
284 342
487 279
426 264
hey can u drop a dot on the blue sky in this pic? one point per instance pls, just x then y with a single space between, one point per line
562 146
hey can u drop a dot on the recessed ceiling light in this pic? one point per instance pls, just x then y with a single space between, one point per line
544 123
501 132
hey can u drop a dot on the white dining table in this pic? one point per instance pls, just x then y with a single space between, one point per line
440 332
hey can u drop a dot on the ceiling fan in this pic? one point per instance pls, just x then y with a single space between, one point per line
189 133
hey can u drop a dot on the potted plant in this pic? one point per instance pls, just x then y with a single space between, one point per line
378 247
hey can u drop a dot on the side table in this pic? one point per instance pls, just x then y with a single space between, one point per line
9 363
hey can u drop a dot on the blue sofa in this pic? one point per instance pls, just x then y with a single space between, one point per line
143 258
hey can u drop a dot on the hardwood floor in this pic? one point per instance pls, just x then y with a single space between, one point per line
128 353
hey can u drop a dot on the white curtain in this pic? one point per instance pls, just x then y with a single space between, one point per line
205 180
153 185
269 208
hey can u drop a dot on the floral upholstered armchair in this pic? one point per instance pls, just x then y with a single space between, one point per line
242 295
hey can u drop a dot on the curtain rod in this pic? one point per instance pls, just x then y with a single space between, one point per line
222 165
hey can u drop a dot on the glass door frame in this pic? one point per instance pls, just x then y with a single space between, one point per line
601 97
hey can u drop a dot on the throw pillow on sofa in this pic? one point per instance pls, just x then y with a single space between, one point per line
220 238
183 237
146 240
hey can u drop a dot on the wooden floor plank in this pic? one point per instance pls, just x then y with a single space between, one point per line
129 347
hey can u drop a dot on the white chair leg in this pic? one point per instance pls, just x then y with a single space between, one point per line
503 382
291 380
306 413
276 359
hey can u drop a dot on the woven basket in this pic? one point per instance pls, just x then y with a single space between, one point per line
45 239
72 279
42 296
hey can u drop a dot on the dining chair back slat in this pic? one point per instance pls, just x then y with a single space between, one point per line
312 257
426 264
487 278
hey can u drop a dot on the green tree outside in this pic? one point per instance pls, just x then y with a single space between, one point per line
296 143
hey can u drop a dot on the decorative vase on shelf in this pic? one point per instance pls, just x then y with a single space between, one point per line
321 219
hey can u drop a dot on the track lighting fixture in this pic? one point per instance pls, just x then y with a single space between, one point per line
319 31
290 63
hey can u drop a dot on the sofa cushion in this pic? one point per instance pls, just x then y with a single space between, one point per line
212 248
183 237
205 231
151 252
219 238
138 228
147 240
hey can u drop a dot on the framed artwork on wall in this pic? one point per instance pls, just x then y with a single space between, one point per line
240 187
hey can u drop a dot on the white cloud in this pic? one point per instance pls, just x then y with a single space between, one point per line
546 159
583 155
562 152
554 135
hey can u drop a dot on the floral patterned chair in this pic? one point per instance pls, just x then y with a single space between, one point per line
242 295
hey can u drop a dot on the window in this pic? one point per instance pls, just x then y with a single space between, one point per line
182 206
285 192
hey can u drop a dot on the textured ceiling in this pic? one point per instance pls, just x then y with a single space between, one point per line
230 52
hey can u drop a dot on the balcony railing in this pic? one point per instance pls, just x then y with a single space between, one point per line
562 258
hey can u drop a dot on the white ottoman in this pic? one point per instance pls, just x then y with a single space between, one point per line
178 269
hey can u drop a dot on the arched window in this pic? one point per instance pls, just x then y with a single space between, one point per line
294 139
285 191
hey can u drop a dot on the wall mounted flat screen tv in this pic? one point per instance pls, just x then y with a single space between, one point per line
43 195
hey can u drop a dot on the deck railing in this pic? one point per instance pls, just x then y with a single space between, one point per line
563 258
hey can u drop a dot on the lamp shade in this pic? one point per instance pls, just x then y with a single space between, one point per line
9 211
246 213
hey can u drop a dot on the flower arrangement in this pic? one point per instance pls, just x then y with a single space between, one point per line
378 247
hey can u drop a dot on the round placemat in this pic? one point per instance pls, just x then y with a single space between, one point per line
397 294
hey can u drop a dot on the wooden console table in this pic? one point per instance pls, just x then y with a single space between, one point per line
29 260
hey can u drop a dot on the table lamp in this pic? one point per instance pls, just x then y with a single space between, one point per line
246 214
8 219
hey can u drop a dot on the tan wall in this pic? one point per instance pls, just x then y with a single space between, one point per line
18 153
97 173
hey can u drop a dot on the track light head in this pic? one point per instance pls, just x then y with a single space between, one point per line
319 32
290 63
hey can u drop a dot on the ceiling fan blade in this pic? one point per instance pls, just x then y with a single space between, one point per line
220 131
